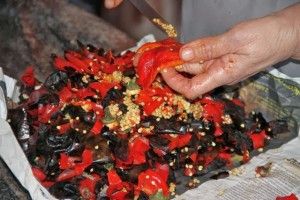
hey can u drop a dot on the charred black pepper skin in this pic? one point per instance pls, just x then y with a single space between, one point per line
75 78
277 127
143 196
220 175
52 167
130 72
131 175
108 135
56 81
74 111
112 95
123 108
260 122
120 150
65 190
158 142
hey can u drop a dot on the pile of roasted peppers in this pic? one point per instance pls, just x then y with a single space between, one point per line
99 128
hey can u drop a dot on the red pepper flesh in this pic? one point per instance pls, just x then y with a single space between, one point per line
155 56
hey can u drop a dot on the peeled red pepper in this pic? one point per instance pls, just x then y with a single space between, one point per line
137 149
61 63
138 146
153 180
76 59
73 169
65 95
258 139
225 156
103 87
125 61
97 127
152 98
189 171
28 78
38 173
45 112
179 141
212 109
117 189
66 162
87 187
290 197
84 93
63 128
155 56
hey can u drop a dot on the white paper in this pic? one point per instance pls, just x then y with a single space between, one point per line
3 110
283 180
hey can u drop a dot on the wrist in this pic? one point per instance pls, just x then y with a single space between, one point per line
289 20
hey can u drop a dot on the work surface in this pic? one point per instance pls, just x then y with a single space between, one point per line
9 186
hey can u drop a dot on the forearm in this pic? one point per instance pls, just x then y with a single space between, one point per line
290 18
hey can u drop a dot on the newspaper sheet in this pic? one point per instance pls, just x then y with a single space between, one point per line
284 178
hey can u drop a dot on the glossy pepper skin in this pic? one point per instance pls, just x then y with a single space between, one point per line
289 197
155 56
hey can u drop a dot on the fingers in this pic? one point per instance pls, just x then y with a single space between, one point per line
136 59
212 77
112 3
177 82
206 49
191 68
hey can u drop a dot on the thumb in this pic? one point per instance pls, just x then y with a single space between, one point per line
112 3
205 49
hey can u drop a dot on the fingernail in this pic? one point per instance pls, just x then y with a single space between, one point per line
109 4
165 70
187 54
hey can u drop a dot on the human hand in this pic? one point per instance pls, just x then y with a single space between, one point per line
112 3
241 52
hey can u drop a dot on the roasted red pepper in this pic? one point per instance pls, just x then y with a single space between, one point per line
76 59
45 112
97 127
258 139
38 173
179 141
87 187
84 93
28 78
138 146
212 109
65 95
103 87
63 128
117 189
155 56
153 180
152 98
189 171
290 197
67 162
61 63
72 168
225 156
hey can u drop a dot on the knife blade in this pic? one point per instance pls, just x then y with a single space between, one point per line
148 11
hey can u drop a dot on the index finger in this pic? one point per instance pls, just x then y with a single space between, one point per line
213 77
